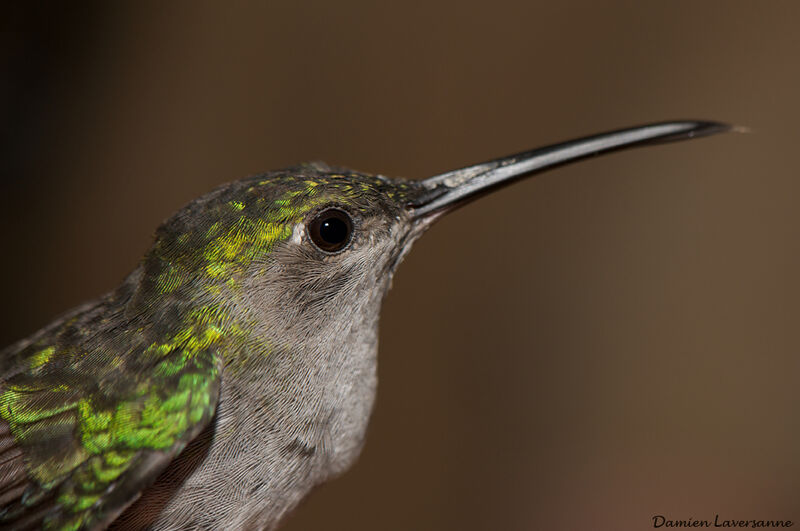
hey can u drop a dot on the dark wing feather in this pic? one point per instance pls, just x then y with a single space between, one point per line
93 407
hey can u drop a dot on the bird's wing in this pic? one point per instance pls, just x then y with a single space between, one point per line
88 420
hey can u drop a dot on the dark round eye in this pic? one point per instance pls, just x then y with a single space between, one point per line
331 230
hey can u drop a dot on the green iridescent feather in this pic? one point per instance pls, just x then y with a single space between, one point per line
89 420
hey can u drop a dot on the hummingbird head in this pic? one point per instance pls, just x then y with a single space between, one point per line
310 251
291 248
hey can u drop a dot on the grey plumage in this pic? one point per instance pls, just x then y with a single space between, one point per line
267 291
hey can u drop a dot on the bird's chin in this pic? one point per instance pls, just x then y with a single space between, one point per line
405 245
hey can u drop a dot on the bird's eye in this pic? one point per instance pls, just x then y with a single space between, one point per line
331 230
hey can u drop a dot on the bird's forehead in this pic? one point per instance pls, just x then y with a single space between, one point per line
292 194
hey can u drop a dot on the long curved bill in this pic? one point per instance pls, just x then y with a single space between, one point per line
454 188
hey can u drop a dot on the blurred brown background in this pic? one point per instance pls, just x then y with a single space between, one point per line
610 341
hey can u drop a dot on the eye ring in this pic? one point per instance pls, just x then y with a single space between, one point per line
331 230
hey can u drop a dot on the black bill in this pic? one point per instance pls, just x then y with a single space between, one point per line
454 188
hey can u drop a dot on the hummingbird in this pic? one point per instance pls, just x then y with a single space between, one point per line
235 368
